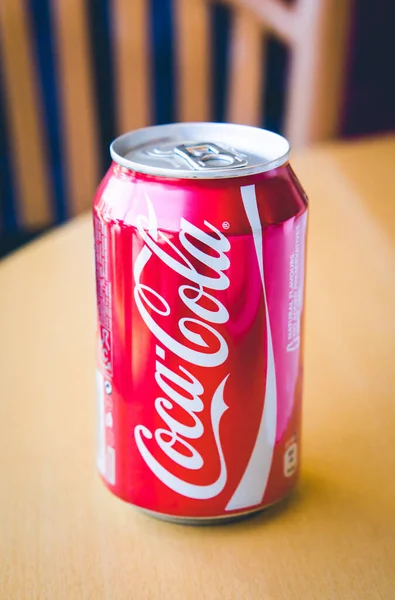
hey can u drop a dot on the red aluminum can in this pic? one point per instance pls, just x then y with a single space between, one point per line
200 234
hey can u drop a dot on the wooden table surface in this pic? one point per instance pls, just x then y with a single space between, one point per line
63 536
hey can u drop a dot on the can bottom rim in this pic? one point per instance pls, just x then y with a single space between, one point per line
218 520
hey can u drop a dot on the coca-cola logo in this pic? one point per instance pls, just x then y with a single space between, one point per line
201 345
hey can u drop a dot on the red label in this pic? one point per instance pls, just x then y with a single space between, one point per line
201 332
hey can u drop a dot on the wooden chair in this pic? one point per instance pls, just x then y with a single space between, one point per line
314 30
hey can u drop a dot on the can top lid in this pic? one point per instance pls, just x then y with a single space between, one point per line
200 150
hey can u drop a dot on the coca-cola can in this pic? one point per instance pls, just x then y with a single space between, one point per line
200 233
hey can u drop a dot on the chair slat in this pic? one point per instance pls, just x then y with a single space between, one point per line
24 111
274 14
76 89
132 63
317 70
193 59
247 70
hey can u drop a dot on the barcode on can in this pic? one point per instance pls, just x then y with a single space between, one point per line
110 465
101 427
106 455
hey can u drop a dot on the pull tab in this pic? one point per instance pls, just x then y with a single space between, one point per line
209 156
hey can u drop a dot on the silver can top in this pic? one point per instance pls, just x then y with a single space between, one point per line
200 150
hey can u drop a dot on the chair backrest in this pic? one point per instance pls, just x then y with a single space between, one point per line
60 101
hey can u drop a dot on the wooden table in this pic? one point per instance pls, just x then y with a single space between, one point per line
63 536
